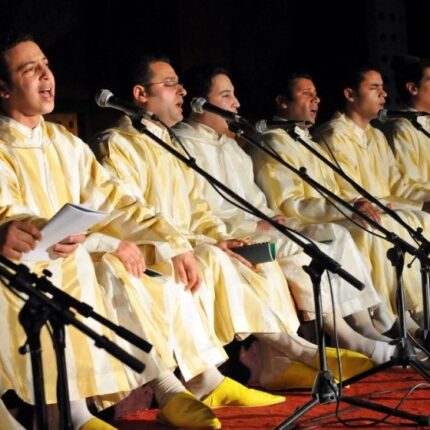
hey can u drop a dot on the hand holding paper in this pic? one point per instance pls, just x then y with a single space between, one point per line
70 220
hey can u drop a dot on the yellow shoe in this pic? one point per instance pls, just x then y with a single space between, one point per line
297 375
184 410
353 363
96 424
231 393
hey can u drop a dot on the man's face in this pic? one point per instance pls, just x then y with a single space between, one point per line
222 94
370 96
164 96
422 96
32 86
304 102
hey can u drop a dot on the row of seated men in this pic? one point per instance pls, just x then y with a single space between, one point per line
162 215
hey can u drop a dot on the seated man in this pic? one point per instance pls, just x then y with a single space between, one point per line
43 167
363 153
206 137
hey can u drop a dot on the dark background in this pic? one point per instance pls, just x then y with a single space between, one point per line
90 43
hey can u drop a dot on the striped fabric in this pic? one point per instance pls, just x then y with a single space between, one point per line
236 299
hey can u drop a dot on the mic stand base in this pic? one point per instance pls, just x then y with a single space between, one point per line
325 391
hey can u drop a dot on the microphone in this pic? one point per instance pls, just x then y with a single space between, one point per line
105 98
384 114
199 105
265 125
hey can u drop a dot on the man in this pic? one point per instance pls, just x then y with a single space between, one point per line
206 137
363 154
409 142
43 166
237 299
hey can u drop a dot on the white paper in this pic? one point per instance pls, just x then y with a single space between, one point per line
69 220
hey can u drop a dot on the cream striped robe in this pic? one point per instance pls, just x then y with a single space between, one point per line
237 300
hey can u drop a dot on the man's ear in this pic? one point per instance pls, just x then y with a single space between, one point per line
349 94
412 88
140 94
281 102
4 90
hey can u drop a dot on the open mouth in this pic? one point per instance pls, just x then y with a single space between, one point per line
47 93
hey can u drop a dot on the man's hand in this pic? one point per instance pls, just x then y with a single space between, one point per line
68 245
187 270
130 256
264 225
226 246
368 209
18 237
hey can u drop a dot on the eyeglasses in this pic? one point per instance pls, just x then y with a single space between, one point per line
169 83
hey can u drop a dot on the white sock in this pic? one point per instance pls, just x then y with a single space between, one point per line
382 352
204 383
292 345
348 338
80 413
165 387
362 323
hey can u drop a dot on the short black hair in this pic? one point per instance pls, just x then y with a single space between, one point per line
406 69
286 83
9 42
198 81
141 71
355 76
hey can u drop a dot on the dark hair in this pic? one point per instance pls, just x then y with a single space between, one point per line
6 44
287 82
198 82
354 77
141 71
408 69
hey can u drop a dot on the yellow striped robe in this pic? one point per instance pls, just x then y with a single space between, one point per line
236 300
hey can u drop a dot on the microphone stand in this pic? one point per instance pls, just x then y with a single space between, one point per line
41 309
309 248
406 354
419 127
423 249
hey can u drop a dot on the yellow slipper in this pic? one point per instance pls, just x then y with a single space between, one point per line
297 375
231 393
97 424
353 363
184 410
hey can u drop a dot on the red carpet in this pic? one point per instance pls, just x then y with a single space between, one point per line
388 388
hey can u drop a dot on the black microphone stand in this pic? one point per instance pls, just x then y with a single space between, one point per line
40 309
419 127
423 249
406 355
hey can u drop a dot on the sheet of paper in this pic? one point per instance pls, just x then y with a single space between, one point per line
70 219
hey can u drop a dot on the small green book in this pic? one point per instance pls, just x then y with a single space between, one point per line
257 252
